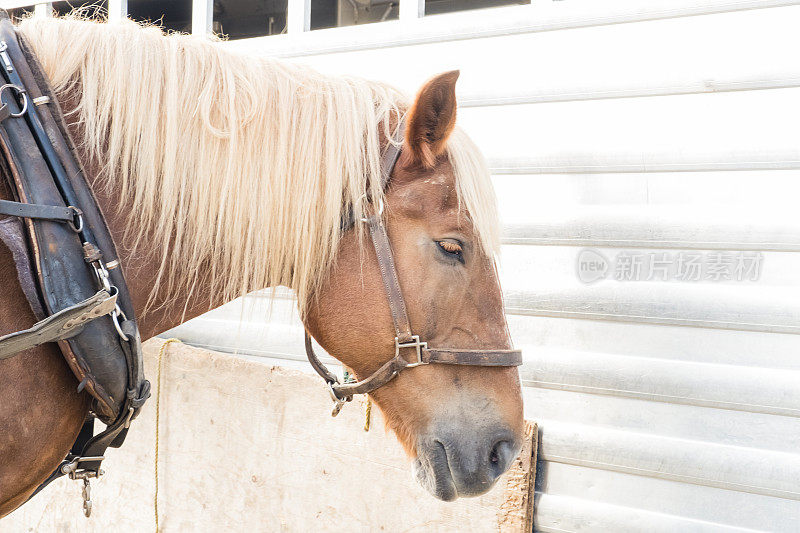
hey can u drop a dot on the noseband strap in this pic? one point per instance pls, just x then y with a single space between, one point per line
409 350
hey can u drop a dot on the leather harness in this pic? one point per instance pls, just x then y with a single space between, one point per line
66 260
405 342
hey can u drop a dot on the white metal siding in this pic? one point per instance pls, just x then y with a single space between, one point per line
620 125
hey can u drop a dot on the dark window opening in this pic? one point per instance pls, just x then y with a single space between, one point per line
335 13
175 15
88 9
438 7
240 19
19 13
93 9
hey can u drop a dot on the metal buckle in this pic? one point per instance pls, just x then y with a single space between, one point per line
415 343
378 214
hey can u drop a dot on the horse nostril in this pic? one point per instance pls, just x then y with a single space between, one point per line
500 456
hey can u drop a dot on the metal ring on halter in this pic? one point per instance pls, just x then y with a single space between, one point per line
338 403
333 394
20 92
77 219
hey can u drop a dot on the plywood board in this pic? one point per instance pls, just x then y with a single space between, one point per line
248 446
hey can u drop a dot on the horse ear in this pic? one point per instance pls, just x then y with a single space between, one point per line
432 118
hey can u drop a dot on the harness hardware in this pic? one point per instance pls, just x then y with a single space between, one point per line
416 344
20 93
4 56
49 182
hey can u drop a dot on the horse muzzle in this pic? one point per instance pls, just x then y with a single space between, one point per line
455 461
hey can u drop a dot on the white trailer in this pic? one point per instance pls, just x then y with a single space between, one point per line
657 129
646 126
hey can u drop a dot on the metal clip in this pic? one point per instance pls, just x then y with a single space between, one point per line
115 314
4 56
87 498
377 214
338 403
72 469
101 273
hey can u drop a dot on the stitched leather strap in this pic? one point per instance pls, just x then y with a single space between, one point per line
457 356
59 326
394 366
397 305
44 212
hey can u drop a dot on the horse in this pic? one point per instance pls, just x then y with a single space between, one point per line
220 173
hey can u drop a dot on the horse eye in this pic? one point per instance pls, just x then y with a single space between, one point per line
451 247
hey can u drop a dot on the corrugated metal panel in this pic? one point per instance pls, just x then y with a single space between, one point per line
646 126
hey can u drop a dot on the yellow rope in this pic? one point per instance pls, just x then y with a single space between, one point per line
158 418
368 414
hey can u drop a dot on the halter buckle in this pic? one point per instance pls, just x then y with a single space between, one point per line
415 343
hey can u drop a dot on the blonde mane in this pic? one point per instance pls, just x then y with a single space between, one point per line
240 168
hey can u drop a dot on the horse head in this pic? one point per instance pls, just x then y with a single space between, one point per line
462 425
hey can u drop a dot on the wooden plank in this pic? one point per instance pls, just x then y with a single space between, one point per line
515 512
247 446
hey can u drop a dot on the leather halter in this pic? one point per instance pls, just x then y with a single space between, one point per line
405 342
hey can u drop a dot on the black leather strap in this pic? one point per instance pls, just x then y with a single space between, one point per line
38 211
